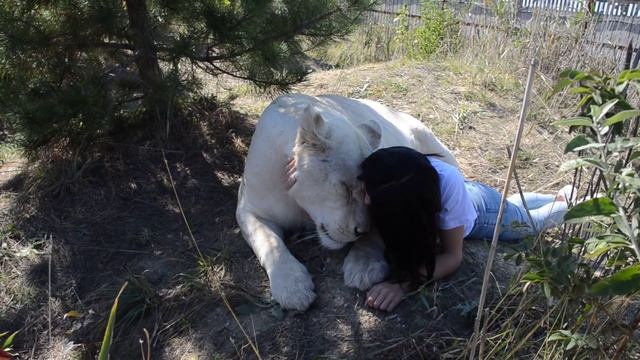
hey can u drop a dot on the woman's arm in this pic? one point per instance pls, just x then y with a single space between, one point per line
386 295
451 257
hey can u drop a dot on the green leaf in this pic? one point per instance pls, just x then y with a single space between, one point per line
621 143
589 146
9 341
583 162
577 121
547 290
531 277
623 223
620 87
575 75
584 100
576 241
577 141
604 109
621 116
557 336
608 238
599 245
580 90
624 282
602 249
567 73
629 75
594 207
111 324
561 85
634 155
597 98
629 180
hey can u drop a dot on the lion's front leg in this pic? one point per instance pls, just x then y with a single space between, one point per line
291 284
365 264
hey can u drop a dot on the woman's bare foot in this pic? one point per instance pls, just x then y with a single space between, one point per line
568 194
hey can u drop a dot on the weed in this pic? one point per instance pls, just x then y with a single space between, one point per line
6 343
368 43
111 324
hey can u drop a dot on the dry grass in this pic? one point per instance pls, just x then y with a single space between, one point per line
121 222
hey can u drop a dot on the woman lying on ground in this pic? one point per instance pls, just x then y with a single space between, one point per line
416 200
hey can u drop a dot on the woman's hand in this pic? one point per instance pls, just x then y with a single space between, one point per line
385 296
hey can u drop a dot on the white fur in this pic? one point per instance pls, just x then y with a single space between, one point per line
329 136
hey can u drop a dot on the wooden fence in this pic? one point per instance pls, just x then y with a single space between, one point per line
616 24
599 7
622 9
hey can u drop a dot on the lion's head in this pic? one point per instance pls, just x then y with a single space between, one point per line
328 153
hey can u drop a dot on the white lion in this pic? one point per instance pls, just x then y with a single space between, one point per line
328 136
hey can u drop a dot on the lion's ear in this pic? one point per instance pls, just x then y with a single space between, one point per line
371 131
314 132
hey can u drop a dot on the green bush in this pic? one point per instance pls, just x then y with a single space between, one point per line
437 26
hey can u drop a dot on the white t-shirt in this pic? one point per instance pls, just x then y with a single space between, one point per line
457 208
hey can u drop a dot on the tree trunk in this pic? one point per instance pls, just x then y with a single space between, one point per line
146 56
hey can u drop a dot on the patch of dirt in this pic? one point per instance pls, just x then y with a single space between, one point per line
119 221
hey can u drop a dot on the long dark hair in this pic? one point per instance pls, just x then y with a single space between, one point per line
404 189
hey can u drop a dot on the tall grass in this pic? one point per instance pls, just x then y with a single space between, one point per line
499 41
368 43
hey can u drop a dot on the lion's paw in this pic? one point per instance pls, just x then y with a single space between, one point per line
363 272
291 285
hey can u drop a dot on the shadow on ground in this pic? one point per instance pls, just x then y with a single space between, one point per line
117 220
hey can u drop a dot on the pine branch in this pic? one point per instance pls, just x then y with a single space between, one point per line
297 31
217 70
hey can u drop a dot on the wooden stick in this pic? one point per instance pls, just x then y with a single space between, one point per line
49 303
494 242
524 201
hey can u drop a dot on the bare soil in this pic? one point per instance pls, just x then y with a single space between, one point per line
85 230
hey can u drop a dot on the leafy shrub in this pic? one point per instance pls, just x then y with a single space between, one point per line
437 26
579 295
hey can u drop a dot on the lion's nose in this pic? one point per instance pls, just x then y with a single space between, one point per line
359 231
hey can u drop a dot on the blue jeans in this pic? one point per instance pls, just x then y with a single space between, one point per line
545 211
